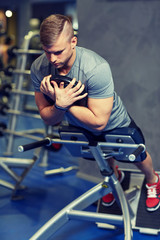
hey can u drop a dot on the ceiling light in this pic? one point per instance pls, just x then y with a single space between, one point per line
8 13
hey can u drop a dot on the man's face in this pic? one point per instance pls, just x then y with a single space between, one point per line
60 54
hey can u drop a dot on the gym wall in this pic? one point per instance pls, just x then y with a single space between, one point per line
127 34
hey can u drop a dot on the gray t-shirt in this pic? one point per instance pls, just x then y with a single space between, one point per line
94 71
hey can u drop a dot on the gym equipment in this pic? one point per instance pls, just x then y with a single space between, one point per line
3 126
60 170
11 52
18 74
5 89
60 78
8 71
119 144
28 51
9 165
25 133
65 79
5 109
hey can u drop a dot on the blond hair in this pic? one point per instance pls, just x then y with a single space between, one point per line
52 27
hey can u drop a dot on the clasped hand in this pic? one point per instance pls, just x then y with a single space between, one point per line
63 97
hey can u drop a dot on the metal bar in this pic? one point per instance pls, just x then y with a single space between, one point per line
22 134
57 221
85 143
20 66
34 130
119 145
19 71
96 217
120 197
29 51
60 170
16 162
17 112
116 188
9 171
22 92
6 184
44 142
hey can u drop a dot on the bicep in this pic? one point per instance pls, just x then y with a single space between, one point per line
101 108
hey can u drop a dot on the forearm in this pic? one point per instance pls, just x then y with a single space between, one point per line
51 115
63 98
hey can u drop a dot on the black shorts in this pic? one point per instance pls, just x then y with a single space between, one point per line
138 137
136 134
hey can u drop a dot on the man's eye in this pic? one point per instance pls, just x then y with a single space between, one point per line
57 53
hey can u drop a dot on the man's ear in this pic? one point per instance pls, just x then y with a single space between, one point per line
73 42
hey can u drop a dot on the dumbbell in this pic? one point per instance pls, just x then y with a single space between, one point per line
3 126
5 89
11 52
3 108
8 71
59 78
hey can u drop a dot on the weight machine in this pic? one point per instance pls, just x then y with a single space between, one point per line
9 165
19 74
119 144
16 90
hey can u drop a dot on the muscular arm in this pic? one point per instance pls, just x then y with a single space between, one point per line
63 97
96 115
48 112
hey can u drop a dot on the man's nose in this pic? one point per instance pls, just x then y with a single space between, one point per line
53 58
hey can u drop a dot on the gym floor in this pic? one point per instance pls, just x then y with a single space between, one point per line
46 195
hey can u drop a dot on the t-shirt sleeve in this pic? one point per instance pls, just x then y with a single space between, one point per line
100 82
36 79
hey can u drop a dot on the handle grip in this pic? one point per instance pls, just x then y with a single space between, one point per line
137 152
44 142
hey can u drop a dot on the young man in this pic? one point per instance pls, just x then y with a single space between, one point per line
100 108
